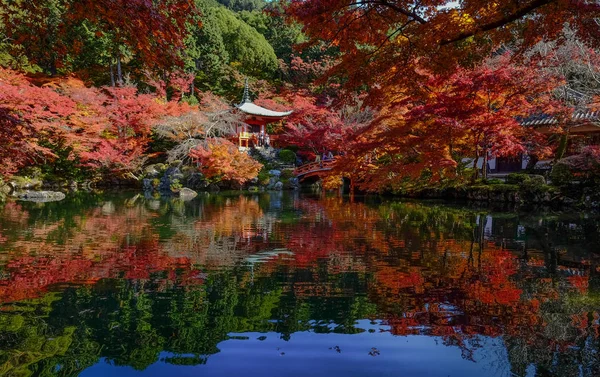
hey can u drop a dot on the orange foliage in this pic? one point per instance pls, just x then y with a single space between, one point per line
222 160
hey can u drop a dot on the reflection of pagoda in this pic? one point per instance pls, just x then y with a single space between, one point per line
252 134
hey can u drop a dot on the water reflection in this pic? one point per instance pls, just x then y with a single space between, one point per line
103 283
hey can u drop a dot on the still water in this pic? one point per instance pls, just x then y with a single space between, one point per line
285 284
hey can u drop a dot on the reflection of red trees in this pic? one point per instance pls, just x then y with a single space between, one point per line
443 286
30 276
422 277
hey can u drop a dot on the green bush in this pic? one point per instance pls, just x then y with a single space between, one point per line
517 178
561 175
287 156
538 179
533 187
191 100
495 181
263 176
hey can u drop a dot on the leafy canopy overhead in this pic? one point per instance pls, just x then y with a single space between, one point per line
388 37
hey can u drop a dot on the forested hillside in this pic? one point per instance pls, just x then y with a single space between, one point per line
92 89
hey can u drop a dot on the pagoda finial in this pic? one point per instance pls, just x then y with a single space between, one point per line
246 98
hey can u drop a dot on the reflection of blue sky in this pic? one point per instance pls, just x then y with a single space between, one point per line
308 354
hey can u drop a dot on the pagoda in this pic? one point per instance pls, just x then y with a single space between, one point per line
254 132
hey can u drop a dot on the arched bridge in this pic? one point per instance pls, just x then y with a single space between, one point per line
314 169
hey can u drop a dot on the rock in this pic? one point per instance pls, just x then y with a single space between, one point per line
275 173
292 184
154 204
41 196
171 174
196 181
12 187
154 170
174 173
24 183
147 185
272 182
253 189
278 186
213 187
187 194
108 208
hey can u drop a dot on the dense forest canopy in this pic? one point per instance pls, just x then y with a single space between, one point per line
404 86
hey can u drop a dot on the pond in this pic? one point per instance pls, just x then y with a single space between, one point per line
290 284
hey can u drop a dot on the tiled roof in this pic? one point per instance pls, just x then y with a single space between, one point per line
546 120
250 108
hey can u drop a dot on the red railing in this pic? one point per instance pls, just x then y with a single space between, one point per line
314 167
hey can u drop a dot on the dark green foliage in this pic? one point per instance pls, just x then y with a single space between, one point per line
287 157
517 178
561 175
247 5
248 50
282 35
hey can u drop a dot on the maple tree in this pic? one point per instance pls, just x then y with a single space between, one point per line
222 160
470 114
383 40
44 29
212 119
28 114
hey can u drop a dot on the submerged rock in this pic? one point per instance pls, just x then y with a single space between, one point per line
41 196
187 194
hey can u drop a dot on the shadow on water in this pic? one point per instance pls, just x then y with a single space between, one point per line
108 283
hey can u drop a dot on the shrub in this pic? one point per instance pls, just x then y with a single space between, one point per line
263 176
287 156
517 178
537 179
561 174
495 181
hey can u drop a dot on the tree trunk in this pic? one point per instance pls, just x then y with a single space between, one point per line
112 74
484 165
533 160
475 170
119 72
562 147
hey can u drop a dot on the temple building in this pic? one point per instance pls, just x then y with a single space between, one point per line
254 132
584 130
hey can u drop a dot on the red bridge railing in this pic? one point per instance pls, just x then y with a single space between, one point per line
314 167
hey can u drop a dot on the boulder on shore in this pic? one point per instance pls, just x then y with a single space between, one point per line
41 196
187 194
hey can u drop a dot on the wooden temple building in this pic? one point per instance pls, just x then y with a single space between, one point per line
254 132
584 130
